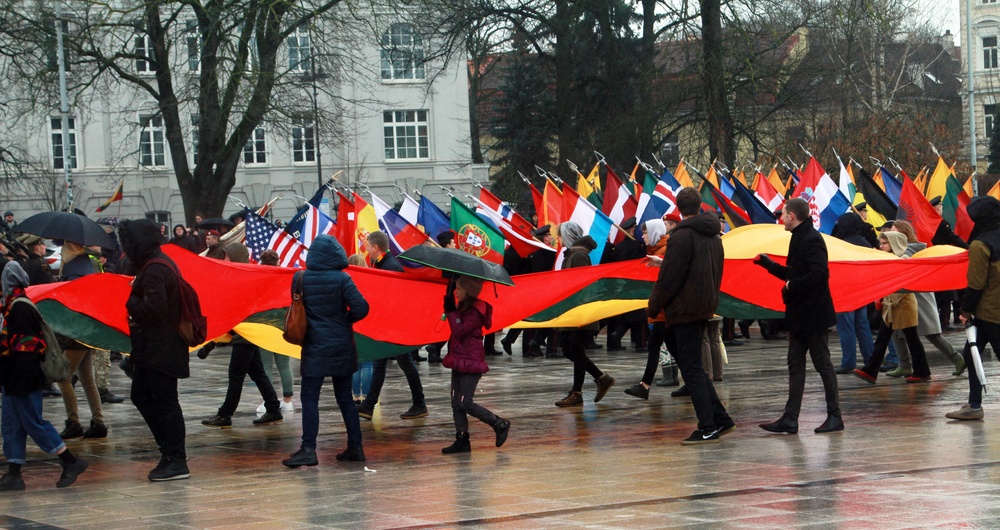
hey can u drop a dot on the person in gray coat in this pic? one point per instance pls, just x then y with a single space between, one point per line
333 304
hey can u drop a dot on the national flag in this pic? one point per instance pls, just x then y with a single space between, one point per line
521 241
711 177
826 204
775 180
917 210
670 180
619 204
402 235
539 202
366 223
263 235
937 184
734 215
765 191
552 203
592 221
657 199
295 225
346 223
875 196
967 187
630 183
315 224
759 212
955 200
725 184
474 235
847 187
115 197
492 202
410 210
682 176
995 191
432 218
892 186
586 187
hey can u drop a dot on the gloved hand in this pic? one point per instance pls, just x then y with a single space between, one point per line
205 350
763 260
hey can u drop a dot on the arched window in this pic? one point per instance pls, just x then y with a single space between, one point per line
402 53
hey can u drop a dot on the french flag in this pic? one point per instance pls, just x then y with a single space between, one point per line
826 203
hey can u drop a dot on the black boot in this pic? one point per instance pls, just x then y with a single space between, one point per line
461 444
501 427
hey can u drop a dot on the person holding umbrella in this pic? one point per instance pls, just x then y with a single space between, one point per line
981 304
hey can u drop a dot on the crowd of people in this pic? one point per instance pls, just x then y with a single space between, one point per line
685 245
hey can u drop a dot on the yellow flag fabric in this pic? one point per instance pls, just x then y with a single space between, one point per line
594 179
775 181
682 176
937 186
995 191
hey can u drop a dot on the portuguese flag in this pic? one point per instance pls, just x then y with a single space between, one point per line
115 197
475 235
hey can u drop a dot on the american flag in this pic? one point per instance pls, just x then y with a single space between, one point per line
263 235
316 223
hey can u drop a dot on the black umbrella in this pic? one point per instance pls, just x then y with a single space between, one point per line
215 222
66 226
457 261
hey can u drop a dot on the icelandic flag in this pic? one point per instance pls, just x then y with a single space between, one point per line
432 218
402 235
316 224
826 203
668 177
593 222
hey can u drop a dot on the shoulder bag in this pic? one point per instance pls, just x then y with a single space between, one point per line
295 319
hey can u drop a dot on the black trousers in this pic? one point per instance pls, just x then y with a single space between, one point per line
574 348
816 344
155 395
684 343
986 333
409 369
917 353
245 360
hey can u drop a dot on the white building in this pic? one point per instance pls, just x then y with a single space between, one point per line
985 47
398 123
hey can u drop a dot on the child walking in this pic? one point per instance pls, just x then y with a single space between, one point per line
468 316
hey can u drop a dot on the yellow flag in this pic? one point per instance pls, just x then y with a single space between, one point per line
995 191
775 181
682 176
594 179
937 186
712 177
968 186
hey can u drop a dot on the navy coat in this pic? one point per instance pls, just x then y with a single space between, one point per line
333 304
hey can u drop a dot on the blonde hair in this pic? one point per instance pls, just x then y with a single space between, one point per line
358 260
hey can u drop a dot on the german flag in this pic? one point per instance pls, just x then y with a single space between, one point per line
116 196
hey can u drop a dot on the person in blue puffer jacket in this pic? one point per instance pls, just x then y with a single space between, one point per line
333 304
467 317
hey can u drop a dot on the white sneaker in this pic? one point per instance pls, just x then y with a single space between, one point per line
261 409
286 406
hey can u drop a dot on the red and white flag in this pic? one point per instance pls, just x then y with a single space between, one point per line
619 204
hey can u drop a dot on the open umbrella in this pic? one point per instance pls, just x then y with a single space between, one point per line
67 226
215 222
977 360
458 261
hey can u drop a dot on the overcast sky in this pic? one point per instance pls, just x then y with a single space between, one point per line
945 15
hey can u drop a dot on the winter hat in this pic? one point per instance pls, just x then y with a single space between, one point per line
655 229
13 276
897 241
472 286
570 232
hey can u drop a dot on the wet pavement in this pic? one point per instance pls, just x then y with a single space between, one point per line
615 464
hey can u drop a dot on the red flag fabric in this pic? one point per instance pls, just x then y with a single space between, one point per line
517 222
619 204
346 223
915 209
553 200
539 202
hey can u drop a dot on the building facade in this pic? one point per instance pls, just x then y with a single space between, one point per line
985 48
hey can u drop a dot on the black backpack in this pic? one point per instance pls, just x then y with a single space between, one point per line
193 326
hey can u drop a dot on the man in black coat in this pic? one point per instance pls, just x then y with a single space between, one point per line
808 316
159 353
378 253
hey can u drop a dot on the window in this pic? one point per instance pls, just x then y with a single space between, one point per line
299 50
58 153
989 53
989 119
254 151
151 150
303 141
989 1
405 134
52 44
144 50
670 153
159 216
402 53
193 38
195 121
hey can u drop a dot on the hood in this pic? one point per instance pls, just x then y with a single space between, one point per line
706 224
585 243
486 310
13 276
897 241
655 229
326 254
985 212
140 239
570 232
849 224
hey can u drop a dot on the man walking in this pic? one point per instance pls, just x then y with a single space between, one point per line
808 316
687 292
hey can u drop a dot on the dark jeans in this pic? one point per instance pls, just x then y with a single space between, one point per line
574 348
409 369
917 354
463 389
309 394
816 344
986 333
656 336
684 342
246 360
155 395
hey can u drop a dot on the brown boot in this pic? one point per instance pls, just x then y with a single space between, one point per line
604 383
571 399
